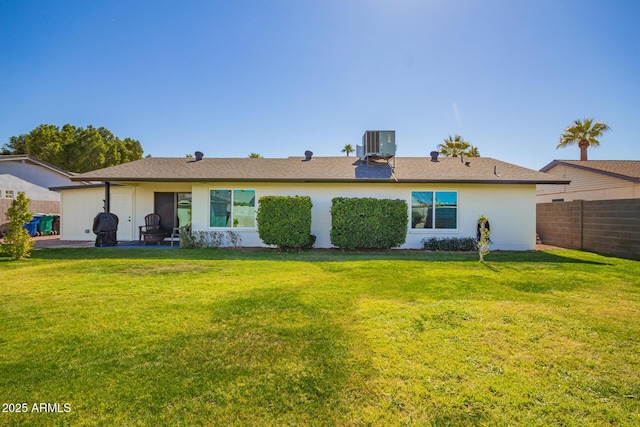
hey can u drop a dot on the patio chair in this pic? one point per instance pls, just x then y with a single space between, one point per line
151 231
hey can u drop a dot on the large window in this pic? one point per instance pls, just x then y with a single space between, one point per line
233 208
434 210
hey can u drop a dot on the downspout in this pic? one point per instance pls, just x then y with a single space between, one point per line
107 196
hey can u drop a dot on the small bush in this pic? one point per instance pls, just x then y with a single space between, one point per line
285 222
483 237
367 223
209 239
17 242
454 244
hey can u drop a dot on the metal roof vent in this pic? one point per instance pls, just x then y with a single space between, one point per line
307 155
199 155
434 156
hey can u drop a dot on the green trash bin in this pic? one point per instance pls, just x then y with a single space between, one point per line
45 226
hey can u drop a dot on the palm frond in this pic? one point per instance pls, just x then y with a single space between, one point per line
582 131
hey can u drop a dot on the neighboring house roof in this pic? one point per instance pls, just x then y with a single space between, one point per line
28 158
628 170
321 169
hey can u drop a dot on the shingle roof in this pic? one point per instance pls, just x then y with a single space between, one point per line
320 169
623 169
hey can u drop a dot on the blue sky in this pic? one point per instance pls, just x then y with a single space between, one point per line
279 77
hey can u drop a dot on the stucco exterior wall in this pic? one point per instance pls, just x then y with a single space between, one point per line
585 185
510 208
80 206
30 190
34 180
35 174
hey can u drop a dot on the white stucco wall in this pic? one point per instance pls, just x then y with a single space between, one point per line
510 208
78 207
30 190
31 176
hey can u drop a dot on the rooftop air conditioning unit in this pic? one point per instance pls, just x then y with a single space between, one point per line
377 144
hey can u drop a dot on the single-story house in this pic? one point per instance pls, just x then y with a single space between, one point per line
591 180
26 174
224 194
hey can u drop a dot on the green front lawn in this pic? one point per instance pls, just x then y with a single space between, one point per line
211 337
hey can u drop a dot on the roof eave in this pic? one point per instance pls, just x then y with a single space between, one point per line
34 160
589 169
331 180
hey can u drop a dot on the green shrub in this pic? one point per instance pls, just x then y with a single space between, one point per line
449 244
367 223
209 239
285 222
17 242
483 237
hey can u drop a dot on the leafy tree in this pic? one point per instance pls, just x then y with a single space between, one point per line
17 242
75 149
16 145
456 145
348 149
255 156
585 133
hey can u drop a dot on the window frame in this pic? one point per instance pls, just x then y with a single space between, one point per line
433 219
232 192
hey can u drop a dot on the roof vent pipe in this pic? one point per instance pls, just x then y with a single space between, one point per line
199 155
307 155
434 156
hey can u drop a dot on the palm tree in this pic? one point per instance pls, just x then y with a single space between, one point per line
585 133
348 149
255 156
453 146
473 152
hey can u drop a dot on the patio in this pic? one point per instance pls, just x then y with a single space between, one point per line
45 242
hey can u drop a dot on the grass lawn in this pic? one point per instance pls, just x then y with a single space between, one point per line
152 337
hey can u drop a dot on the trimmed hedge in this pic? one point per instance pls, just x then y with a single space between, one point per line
449 244
367 223
285 221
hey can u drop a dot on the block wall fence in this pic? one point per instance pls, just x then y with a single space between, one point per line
610 227
35 206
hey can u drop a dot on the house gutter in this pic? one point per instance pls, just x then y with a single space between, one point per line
323 180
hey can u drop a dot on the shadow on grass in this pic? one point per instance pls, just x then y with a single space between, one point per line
315 255
267 355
